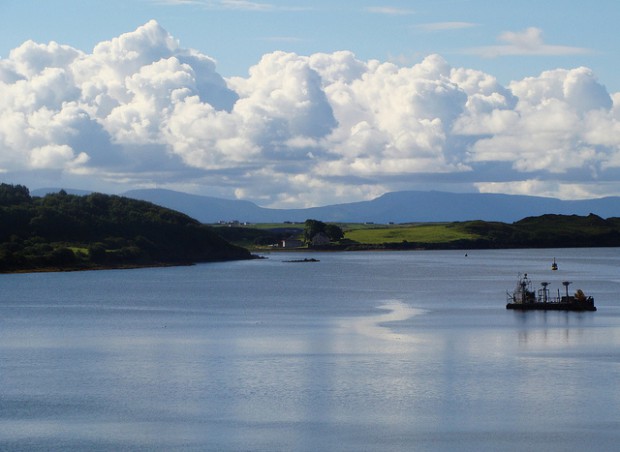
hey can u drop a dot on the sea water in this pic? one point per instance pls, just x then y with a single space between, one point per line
385 351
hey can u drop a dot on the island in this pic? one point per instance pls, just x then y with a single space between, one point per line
62 232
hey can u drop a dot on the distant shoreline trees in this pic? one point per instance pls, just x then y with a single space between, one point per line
80 232
314 227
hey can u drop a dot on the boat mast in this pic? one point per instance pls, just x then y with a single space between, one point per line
544 291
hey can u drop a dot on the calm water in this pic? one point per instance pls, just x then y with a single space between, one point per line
383 351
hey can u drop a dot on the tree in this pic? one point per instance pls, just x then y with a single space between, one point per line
13 195
62 256
312 228
334 232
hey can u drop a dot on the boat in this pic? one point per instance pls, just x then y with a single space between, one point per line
304 260
554 266
524 298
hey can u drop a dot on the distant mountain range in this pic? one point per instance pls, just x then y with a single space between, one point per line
397 207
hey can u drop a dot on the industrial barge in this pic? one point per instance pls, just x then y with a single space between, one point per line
525 299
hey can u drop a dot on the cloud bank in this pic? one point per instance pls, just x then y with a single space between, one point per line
142 111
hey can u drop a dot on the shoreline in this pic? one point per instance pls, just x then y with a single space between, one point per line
98 267
387 247
264 253
85 269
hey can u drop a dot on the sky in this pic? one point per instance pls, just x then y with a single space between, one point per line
297 104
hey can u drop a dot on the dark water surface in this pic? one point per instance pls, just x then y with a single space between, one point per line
385 351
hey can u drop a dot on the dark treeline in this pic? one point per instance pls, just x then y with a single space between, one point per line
97 231
548 231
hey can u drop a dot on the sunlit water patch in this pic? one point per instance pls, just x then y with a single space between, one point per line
381 326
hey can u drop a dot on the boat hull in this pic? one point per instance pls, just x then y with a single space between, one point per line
579 306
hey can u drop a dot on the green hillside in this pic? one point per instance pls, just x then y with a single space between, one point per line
68 232
423 232
546 231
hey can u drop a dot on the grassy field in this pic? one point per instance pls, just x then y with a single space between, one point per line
424 232
362 233
551 231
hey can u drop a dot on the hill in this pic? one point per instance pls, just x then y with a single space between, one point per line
397 207
70 232
545 231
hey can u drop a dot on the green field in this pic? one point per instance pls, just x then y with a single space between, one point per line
549 231
423 233
362 233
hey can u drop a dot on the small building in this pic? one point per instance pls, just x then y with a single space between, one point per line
291 243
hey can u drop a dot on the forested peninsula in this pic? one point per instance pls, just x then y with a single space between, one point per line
68 232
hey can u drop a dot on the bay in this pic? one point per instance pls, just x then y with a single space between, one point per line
361 351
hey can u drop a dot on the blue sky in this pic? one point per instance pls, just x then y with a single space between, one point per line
460 95
238 33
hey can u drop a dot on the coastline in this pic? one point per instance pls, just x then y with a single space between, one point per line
97 267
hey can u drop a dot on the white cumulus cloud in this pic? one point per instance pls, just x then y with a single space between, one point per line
299 130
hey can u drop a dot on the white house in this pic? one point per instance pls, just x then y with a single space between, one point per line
291 243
